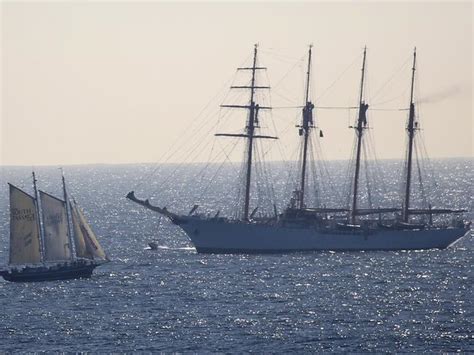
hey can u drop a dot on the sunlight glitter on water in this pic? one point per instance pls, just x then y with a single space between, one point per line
173 299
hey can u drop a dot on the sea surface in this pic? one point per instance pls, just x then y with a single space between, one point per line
173 299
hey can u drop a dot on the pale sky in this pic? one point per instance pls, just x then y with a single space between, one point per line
118 82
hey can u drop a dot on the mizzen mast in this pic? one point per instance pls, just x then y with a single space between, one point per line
305 130
411 128
361 125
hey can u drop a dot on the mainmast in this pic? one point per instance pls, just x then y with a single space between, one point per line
305 128
361 125
40 225
411 128
68 215
252 124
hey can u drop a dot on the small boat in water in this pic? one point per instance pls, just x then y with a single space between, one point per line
50 238
153 246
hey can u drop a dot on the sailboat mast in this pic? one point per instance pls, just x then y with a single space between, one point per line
306 127
253 111
68 215
251 124
361 122
40 225
411 135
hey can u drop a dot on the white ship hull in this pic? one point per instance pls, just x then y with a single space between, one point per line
222 236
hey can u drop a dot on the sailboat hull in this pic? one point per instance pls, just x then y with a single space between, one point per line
221 236
50 273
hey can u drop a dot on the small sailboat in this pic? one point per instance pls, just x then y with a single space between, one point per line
50 238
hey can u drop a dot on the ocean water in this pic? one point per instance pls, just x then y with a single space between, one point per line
174 299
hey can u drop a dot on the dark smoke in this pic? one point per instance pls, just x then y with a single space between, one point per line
441 95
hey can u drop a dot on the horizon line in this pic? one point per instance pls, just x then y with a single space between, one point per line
204 162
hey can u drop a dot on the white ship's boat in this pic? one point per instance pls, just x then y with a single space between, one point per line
300 228
49 239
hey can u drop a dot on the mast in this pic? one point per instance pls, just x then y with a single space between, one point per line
305 128
253 111
68 214
411 135
251 125
40 225
361 125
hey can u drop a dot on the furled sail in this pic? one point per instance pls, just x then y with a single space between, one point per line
85 240
24 228
56 233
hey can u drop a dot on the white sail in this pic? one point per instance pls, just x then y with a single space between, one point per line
79 242
24 228
85 240
56 234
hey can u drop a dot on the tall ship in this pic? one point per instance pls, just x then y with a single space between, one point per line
300 227
50 238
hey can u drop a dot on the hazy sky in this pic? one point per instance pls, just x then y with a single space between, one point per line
116 82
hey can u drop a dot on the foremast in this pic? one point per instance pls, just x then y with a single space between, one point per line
305 130
411 129
252 123
359 128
